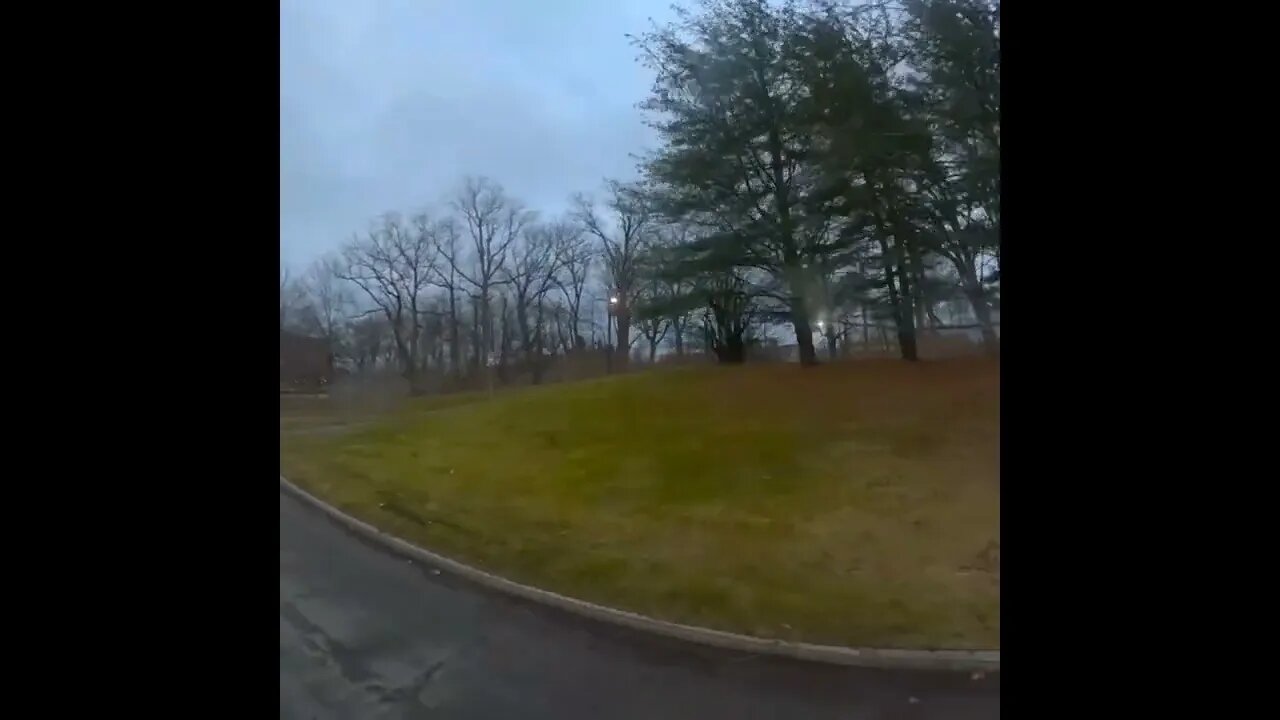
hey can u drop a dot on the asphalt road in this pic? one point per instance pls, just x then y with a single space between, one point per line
366 634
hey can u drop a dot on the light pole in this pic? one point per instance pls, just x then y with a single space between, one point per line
613 302
608 331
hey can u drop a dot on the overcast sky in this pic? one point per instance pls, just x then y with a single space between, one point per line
387 104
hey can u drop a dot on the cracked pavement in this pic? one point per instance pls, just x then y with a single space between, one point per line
367 634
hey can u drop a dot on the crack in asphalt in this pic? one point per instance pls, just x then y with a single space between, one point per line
324 647
365 634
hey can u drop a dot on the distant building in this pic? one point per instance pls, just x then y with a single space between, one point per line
305 362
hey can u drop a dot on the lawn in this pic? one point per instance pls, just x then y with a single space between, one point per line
853 503
307 413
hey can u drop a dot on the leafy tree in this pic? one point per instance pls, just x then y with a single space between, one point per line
734 161
830 154
953 48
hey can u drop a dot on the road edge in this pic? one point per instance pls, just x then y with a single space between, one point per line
957 660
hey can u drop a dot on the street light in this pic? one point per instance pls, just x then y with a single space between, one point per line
608 332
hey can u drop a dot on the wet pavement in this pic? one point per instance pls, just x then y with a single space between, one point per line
367 634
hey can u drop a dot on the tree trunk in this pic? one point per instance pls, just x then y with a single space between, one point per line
899 288
504 343
537 358
526 332
486 331
575 330
562 340
623 320
900 299
919 304
865 316
477 343
730 351
411 374
977 295
982 310
906 323
455 344
804 333
831 341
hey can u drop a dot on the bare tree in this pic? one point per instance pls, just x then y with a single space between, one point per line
284 304
532 275
329 297
369 337
621 246
565 336
494 222
574 256
506 338
654 328
393 266
433 334
446 239
477 354
292 300
652 300
675 286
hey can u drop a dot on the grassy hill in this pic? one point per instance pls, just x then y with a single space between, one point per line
853 503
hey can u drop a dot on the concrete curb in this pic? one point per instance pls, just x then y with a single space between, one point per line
959 660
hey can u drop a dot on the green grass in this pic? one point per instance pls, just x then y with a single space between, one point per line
852 503
318 412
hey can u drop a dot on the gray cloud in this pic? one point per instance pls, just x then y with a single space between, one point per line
387 104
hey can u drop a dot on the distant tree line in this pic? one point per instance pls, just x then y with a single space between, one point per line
823 166
482 286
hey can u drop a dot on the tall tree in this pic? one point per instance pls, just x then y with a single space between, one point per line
953 49
393 266
331 299
293 301
654 326
726 104
447 247
574 257
369 337
689 279
493 221
870 151
531 275
623 238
